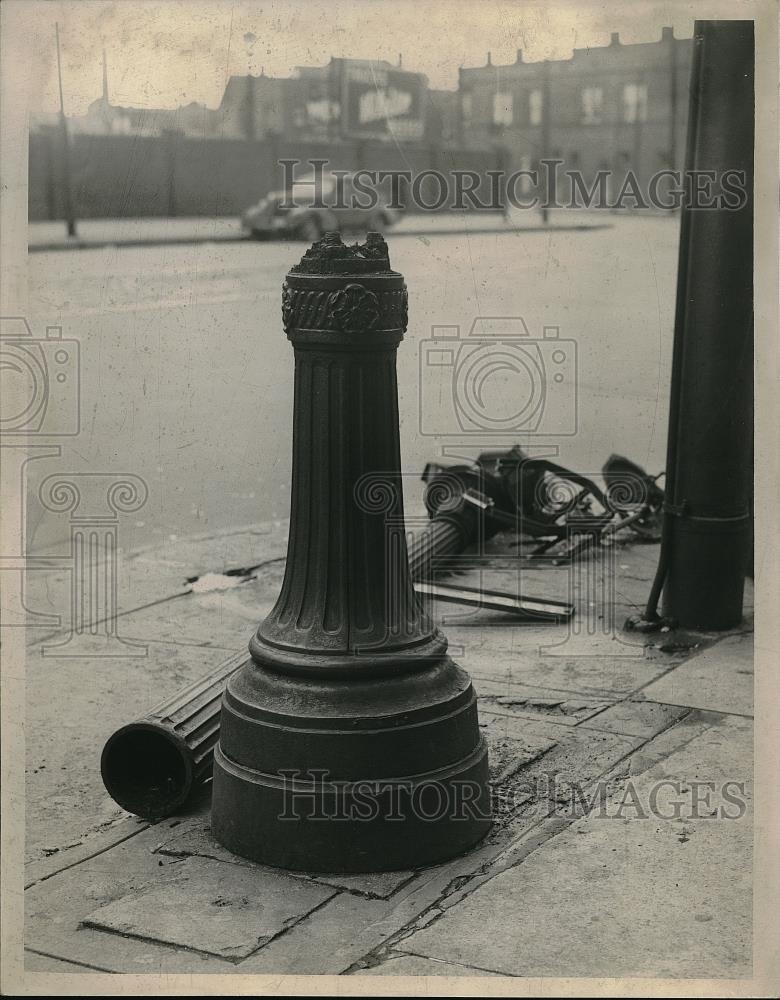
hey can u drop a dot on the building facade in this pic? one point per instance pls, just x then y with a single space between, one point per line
346 99
610 108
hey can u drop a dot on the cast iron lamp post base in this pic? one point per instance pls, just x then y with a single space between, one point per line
386 774
350 742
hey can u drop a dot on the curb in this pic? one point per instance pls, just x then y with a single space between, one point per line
78 244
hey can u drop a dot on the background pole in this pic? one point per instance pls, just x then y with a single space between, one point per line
67 193
709 459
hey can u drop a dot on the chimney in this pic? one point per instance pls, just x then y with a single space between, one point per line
615 39
400 60
667 34
489 60
519 56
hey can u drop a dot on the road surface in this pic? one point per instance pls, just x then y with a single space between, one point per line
186 375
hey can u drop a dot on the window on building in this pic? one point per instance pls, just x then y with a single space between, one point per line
466 107
525 180
635 102
323 111
502 109
592 105
535 104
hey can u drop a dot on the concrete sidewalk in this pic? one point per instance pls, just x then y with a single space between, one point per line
96 233
654 731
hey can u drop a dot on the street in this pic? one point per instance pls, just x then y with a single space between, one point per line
186 375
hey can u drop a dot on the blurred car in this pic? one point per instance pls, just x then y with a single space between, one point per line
272 217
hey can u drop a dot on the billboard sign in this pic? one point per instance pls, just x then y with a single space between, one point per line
378 100
361 99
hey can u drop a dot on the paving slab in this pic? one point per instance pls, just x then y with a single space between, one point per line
327 942
415 965
719 679
220 909
376 885
513 655
570 752
56 908
635 718
514 742
225 618
158 573
535 703
34 962
198 841
611 897
96 843
100 950
688 728
336 937
554 763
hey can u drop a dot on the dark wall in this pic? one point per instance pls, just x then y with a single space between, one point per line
171 175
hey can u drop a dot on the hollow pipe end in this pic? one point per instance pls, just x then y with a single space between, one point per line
147 769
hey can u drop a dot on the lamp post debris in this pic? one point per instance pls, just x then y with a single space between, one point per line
151 766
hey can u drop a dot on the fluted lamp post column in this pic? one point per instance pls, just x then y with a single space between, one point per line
350 741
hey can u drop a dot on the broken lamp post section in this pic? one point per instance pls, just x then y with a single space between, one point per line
350 740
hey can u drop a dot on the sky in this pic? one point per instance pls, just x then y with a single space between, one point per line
164 53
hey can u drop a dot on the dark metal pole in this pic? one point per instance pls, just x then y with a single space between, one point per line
249 109
171 140
705 547
673 100
546 122
67 192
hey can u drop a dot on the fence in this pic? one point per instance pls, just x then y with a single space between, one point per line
120 176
